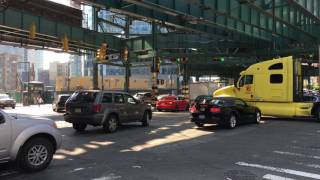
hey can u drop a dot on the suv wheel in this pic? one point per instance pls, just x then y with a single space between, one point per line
79 126
111 124
36 154
232 121
258 117
13 107
146 119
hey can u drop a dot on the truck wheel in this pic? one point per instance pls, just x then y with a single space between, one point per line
111 124
35 155
146 119
232 122
80 127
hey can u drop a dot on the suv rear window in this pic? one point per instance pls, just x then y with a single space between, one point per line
84 96
64 98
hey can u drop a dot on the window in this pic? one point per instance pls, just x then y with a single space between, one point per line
181 98
129 99
276 78
241 81
118 98
239 102
276 66
107 98
84 96
248 79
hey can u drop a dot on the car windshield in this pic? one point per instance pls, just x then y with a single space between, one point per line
201 98
84 97
217 102
3 96
168 98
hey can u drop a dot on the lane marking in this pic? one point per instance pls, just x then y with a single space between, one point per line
274 177
296 154
304 148
281 170
316 166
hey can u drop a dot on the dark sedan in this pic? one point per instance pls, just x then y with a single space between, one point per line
225 111
6 101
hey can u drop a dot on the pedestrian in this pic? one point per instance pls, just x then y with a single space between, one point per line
39 100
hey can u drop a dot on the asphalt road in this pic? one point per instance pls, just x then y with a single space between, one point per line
172 148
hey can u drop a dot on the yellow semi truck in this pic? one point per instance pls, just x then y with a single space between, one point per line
275 87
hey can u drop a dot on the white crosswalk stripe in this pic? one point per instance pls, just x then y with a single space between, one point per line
296 154
281 170
274 177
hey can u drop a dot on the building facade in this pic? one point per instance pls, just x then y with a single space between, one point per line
8 72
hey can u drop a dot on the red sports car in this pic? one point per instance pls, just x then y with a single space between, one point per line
172 103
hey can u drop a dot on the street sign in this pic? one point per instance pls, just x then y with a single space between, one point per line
113 56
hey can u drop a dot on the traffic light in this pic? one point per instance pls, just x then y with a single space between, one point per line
65 43
102 52
222 59
32 30
158 65
125 54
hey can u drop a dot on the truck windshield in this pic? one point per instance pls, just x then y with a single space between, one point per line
240 82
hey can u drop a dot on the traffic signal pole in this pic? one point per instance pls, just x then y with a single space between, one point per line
155 67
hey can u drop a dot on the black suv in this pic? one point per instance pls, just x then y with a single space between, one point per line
105 108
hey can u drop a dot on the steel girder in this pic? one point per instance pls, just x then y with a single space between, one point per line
15 25
283 19
179 14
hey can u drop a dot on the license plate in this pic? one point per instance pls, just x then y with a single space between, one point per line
202 109
202 116
77 110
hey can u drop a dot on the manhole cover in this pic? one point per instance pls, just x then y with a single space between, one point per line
240 175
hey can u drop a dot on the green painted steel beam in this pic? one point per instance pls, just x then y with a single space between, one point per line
178 15
15 25
282 22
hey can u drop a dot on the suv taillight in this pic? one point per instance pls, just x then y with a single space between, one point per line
96 108
215 110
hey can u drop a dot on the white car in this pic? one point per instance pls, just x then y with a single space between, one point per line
31 143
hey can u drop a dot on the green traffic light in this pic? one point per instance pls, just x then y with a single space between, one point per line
222 59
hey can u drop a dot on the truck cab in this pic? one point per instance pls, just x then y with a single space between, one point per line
275 87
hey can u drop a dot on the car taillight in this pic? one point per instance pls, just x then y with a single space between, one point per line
215 110
96 108
193 109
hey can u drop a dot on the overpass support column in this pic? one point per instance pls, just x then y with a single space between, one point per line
185 86
127 59
155 70
95 75
155 61
318 79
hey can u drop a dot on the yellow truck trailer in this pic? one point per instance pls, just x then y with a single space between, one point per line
275 87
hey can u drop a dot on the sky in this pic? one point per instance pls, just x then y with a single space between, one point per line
50 56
